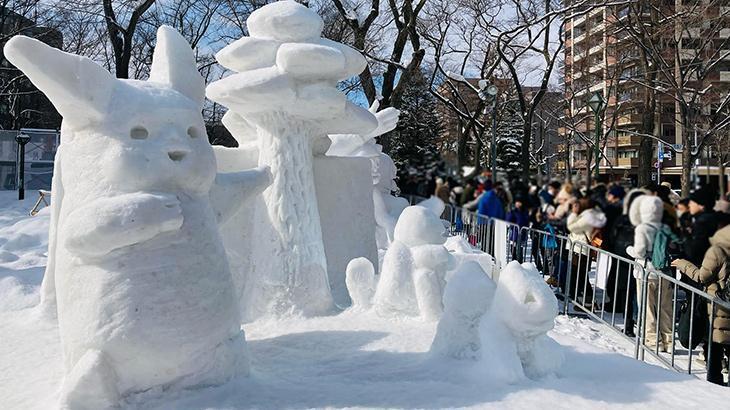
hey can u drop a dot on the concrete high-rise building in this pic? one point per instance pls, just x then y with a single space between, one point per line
601 56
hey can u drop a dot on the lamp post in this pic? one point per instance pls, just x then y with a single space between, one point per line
21 139
488 92
597 104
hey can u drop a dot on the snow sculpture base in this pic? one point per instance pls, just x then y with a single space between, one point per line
344 194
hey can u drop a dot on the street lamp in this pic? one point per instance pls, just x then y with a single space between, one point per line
488 92
21 139
597 104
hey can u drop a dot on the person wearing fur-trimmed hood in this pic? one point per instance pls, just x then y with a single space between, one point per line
646 215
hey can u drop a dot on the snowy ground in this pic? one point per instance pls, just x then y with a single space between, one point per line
348 360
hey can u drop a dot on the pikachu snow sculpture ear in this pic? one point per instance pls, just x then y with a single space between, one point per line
79 88
173 64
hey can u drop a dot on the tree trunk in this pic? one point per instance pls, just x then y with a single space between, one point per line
462 136
645 146
721 175
525 157
687 157
296 279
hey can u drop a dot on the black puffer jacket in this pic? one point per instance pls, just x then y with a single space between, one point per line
621 232
698 242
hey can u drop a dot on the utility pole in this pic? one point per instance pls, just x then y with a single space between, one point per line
597 104
21 139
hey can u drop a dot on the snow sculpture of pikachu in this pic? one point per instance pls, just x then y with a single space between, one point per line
137 273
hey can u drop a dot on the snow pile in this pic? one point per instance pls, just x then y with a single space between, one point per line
526 306
285 85
23 248
352 360
414 267
136 274
467 297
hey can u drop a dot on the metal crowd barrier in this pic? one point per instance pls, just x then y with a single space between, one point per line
657 302
608 288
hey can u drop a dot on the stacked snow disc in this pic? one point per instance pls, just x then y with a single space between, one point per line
285 66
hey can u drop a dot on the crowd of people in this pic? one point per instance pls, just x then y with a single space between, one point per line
686 238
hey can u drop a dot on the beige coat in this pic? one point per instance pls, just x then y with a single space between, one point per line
713 273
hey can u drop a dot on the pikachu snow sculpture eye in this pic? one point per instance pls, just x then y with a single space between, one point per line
139 133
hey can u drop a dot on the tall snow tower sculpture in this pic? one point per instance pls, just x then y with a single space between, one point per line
285 85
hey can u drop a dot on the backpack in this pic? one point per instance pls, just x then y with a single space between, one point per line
660 257
548 241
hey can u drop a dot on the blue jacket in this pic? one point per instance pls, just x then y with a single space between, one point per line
490 205
521 218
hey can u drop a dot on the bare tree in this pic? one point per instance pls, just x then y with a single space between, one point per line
121 35
400 21
21 104
683 49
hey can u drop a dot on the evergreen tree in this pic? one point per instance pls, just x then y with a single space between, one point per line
413 144
509 141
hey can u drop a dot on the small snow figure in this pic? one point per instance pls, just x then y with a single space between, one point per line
467 297
414 267
527 307
360 281
136 273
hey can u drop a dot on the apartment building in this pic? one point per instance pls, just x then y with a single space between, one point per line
602 57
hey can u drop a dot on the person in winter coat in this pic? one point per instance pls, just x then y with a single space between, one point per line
621 286
490 205
646 215
584 223
442 190
713 274
519 216
704 225
685 217
565 200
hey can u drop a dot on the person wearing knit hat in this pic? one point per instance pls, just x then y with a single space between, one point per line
704 197
616 191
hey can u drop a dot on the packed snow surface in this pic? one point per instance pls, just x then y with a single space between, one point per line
353 359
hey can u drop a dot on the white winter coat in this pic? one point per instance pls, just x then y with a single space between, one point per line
581 227
646 215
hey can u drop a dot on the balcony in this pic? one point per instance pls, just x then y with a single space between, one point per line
600 28
595 49
596 68
579 20
596 11
724 76
629 140
628 119
628 162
